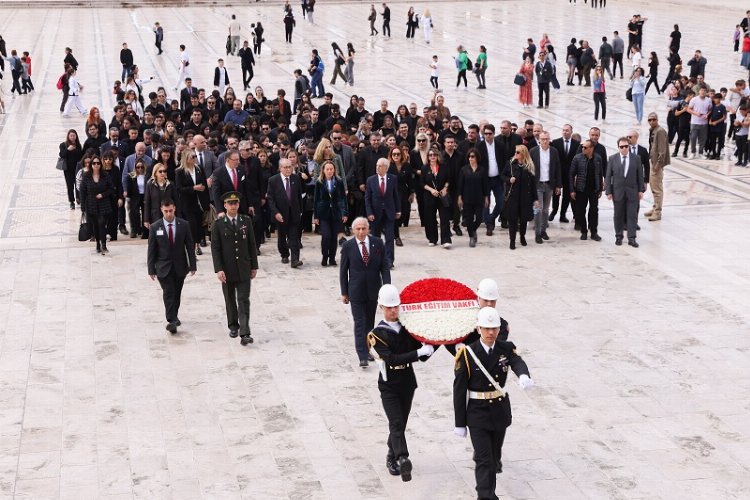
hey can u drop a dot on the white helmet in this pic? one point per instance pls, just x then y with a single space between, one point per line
488 289
388 296
488 317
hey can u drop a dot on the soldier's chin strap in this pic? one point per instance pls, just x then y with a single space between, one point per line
486 373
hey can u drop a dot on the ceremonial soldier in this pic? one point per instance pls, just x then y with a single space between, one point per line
396 350
487 295
235 258
480 373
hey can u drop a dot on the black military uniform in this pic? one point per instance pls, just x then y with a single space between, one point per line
397 350
487 413
234 251
474 336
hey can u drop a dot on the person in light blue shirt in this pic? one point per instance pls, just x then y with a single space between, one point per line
638 86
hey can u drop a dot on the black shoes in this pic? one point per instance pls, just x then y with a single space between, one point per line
472 241
342 240
296 264
539 240
596 237
504 224
324 262
347 231
198 251
399 243
246 339
177 322
285 260
499 469
332 262
404 465
551 216
544 235
458 231
72 206
124 230
363 363
512 245
583 236
370 358
133 234
203 243
233 333
392 466
490 229
564 219
618 241
633 243
172 327
523 241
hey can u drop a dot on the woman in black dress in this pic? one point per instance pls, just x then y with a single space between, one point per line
330 210
520 194
136 190
435 180
71 151
418 159
108 166
192 188
400 165
158 188
473 194
96 190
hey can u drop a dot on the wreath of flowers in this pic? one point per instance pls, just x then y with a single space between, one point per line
438 310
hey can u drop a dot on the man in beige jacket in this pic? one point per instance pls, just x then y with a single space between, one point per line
659 152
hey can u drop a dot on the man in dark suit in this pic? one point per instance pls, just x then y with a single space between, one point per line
248 61
171 254
364 268
487 412
567 148
227 179
383 206
284 200
235 259
490 158
547 171
586 187
186 93
625 187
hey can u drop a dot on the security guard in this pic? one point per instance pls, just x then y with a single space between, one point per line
235 258
396 350
480 373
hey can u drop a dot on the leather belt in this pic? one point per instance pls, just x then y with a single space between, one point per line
485 395
400 367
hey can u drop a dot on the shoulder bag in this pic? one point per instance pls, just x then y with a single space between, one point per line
519 80
84 231
62 164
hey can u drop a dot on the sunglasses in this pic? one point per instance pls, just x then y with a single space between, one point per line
139 168
421 140
432 154
96 163
472 156
395 154
245 149
335 138
623 146
161 171
652 119
193 156
585 147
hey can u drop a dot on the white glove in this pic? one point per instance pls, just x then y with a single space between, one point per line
525 382
425 350
460 431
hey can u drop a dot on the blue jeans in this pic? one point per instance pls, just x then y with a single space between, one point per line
496 188
638 104
317 84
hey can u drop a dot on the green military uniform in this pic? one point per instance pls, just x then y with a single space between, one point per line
234 251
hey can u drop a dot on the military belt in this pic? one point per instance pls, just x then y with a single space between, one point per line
485 395
400 367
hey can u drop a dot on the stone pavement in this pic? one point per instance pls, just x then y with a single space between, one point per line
640 356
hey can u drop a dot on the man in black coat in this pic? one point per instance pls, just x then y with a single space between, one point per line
248 61
126 59
587 185
364 268
227 179
171 254
383 206
284 198
187 93
544 72
235 257
547 171
625 188
397 351
481 372
567 148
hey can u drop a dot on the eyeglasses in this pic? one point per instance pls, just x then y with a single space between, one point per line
395 154
335 138
472 156
431 154
193 156
139 168
245 149
421 140
585 147
652 119
489 133
623 146
96 163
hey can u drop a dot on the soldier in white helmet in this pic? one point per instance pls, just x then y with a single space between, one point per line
487 295
396 350
480 374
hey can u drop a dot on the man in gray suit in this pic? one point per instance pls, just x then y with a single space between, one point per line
625 187
548 173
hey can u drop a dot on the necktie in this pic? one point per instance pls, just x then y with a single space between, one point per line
234 224
567 146
234 177
288 189
489 353
634 150
382 186
200 158
365 253
171 235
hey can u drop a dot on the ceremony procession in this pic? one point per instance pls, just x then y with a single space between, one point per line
311 249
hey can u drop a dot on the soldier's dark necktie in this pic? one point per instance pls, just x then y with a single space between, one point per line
171 235
234 224
489 353
365 253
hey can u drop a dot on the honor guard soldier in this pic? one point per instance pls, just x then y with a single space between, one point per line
396 350
235 258
480 374
487 295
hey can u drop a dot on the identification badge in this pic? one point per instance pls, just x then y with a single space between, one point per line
160 232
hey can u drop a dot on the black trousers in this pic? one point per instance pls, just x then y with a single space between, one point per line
157 43
617 58
461 75
65 91
656 84
683 134
672 124
472 217
715 142
70 183
288 235
363 314
397 406
410 30
237 304
543 91
98 224
257 47
600 99
171 286
288 32
382 224
591 200
741 142
135 210
387 27
247 75
485 442
517 226
329 229
403 221
432 208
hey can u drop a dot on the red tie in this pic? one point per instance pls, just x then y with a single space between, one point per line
234 178
365 253
171 235
382 186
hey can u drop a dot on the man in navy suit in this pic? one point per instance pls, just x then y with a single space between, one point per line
284 200
383 206
364 269
171 255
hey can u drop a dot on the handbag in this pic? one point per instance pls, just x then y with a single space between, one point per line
62 164
340 61
84 231
519 80
629 94
445 199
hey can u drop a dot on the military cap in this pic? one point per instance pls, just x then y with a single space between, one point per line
231 196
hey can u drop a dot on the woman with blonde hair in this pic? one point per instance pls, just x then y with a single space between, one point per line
399 162
418 159
436 181
192 188
158 188
520 194
136 189
324 152
330 211
427 25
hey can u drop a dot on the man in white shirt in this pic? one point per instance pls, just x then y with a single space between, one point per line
234 35
548 173
183 67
